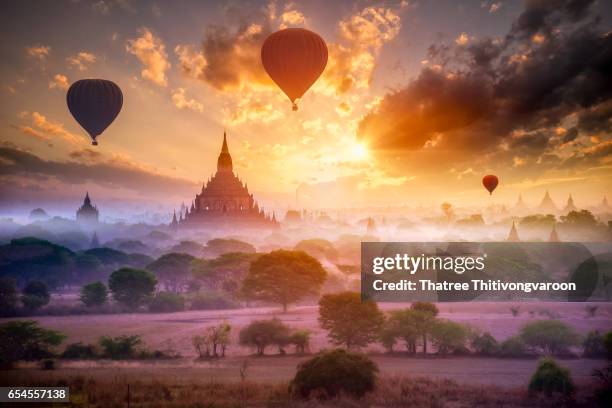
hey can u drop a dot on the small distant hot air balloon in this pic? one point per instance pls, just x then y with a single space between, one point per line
490 182
294 58
94 103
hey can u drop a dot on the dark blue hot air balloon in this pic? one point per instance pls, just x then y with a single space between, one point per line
94 103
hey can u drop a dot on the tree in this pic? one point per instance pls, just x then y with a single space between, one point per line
401 325
548 336
582 218
449 336
485 344
26 340
94 294
283 277
214 337
167 302
334 372
120 347
549 377
8 296
173 270
424 319
301 340
80 351
263 333
593 345
348 320
220 246
318 248
132 287
35 295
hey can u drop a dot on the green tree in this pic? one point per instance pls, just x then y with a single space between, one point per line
485 344
449 336
173 270
214 340
348 320
167 302
549 377
26 340
582 218
334 372
300 339
94 294
548 336
35 295
132 287
402 325
283 277
263 333
8 296
593 345
424 319
120 347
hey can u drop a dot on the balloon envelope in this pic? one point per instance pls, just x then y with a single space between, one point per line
294 58
490 182
94 103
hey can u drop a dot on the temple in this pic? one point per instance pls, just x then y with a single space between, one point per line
224 201
87 214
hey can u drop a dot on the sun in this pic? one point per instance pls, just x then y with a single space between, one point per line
359 151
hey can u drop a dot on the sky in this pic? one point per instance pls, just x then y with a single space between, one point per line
419 100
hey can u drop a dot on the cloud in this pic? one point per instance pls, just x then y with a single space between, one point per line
496 99
101 7
40 52
191 61
88 166
291 17
352 59
59 81
82 60
182 102
44 129
151 52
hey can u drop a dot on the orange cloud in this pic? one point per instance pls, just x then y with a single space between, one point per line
59 81
45 129
40 52
81 60
151 52
181 101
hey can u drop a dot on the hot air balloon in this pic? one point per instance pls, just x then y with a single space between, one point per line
490 182
94 103
294 58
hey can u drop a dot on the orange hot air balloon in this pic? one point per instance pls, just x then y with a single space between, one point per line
490 182
294 58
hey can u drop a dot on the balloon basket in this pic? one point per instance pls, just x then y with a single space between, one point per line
294 107
94 143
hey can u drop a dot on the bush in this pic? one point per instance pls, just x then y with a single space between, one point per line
548 336
26 340
608 344
485 344
35 295
165 302
120 347
331 373
94 294
80 351
513 347
212 301
449 337
263 333
593 345
549 377
214 337
8 296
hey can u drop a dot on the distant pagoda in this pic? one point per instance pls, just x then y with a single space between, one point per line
520 204
87 214
224 201
554 237
513 235
547 206
570 205
95 243
604 206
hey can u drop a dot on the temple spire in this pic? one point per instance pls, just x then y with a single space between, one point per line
224 162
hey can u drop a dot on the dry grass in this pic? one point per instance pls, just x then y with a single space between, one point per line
390 392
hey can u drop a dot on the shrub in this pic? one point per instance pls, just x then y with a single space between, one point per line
331 373
80 351
263 333
120 347
593 345
214 337
549 377
548 336
94 294
485 344
608 344
26 340
35 295
165 302
449 336
212 301
513 347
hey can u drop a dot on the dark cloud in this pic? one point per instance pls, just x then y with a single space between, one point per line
16 163
512 92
